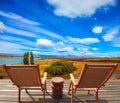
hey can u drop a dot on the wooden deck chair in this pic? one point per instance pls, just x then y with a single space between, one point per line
92 77
27 77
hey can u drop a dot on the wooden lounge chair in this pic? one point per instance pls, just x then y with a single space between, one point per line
27 77
92 77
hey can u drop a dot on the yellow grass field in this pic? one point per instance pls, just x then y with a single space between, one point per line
78 64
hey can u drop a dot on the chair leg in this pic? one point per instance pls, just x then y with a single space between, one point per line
72 94
44 91
88 91
69 88
45 87
26 90
97 96
19 95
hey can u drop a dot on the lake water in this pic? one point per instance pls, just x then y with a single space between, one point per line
116 75
12 60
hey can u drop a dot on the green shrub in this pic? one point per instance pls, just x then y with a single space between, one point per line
60 68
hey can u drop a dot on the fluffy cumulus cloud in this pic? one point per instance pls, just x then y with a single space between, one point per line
56 47
45 43
97 29
62 47
74 8
86 41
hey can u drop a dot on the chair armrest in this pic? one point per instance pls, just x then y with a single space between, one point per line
44 77
73 80
72 76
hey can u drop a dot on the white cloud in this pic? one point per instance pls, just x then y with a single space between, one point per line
97 29
94 48
110 35
8 47
20 32
74 8
89 53
18 18
65 49
74 40
48 33
34 31
55 47
45 43
18 40
82 50
107 54
60 44
113 37
86 41
116 42
2 26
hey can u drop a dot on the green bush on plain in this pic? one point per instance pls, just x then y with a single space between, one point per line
60 68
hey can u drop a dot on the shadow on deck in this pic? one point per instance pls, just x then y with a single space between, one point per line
110 93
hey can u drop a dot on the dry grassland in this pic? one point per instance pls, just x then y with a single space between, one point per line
77 62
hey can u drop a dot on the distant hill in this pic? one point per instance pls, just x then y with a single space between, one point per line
116 60
73 57
9 55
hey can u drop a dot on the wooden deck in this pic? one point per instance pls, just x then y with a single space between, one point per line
110 93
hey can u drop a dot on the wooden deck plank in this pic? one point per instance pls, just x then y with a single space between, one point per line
110 93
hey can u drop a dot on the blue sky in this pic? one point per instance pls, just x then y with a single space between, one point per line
84 28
